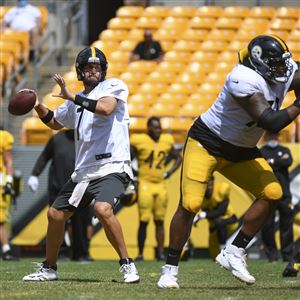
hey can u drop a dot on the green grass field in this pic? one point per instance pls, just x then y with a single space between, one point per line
198 278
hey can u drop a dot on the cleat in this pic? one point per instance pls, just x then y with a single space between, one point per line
8 256
42 274
232 259
140 257
161 257
168 278
130 273
291 270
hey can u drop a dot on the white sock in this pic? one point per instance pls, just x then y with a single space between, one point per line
5 248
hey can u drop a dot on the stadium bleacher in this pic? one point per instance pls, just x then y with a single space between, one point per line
200 44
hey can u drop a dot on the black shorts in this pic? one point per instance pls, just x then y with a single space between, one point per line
105 189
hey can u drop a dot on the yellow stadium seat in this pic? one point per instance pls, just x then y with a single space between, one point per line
216 77
195 34
170 66
119 56
237 45
248 34
44 17
280 33
213 46
177 56
228 23
156 11
205 99
210 88
262 12
287 12
209 11
113 35
129 11
294 35
12 47
190 110
296 56
177 99
20 37
148 22
182 88
7 61
134 77
294 46
235 12
52 102
74 87
147 99
4 10
143 66
183 11
137 125
199 67
136 34
178 127
107 47
168 34
255 24
167 45
227 56
221 35
204 56
188 46
70 77
117 67
34 131
153 88
202 23
175 23
121 23
282 24
225 67
192 77
164 110
138 110
127 45
297 24
133 87
163 77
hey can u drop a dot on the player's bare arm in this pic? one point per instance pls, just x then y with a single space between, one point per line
295 85
175 155
103 106
260 110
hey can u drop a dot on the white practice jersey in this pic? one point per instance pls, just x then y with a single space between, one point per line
227 119
99 140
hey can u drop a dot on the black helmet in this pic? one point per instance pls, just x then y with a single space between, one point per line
269 56
90 55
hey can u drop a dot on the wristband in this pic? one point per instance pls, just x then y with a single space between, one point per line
9 179
86 103
48 117
297 102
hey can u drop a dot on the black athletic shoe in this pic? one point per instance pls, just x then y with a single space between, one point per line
291 270
140 257
8 256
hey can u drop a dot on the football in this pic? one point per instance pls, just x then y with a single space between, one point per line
22 103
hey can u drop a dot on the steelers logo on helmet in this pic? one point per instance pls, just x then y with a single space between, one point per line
90 55
269 56
256 51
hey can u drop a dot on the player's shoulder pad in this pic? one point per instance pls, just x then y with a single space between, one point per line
115 82
243 81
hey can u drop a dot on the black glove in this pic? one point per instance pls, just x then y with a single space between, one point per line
8 189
